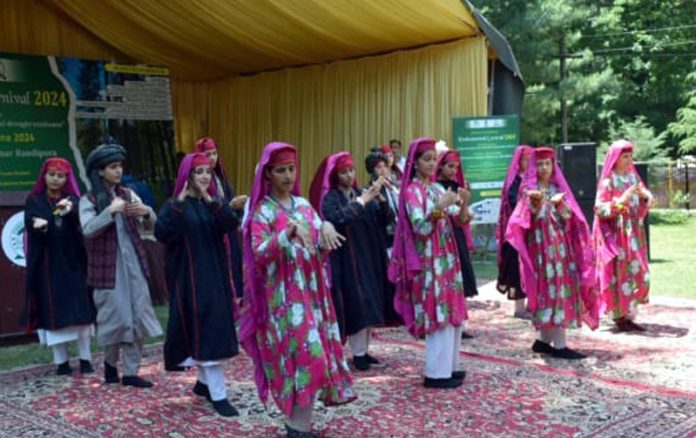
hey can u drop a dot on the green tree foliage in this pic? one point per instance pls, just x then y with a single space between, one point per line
628 59
685 125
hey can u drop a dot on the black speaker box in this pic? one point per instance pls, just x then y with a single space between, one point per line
579 164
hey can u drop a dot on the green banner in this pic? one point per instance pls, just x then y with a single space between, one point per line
56 106
34 115
486 145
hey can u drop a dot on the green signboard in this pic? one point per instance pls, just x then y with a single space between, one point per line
34 118
486 145
56 106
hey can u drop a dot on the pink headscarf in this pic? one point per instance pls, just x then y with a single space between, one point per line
185 169
206 144
323 181
603 239
70 185
579 234
461 181
255 310
405 261
505 207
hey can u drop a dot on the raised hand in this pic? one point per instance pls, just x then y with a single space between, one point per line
238 202
136 208
118 205
447 199
39 223
329 238
557 198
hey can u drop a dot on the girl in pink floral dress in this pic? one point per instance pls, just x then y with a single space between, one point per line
619 237
288 324
548 230
425 266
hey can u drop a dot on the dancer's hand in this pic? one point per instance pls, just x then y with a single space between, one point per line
329 237
39 223
118 205
136 208
237 203
557 198
464 196
447 199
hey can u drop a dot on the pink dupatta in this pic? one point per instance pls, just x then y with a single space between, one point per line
578 231
405 263
461 181
255 309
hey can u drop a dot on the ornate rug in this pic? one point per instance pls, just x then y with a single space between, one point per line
632 385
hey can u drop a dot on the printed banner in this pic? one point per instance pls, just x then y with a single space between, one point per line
486 145
51 106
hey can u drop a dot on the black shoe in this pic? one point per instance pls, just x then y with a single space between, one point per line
224 408
136 381
542 347
372 360
110 374
64 369
466 335
201 389
633 327
86 367
567 353
459 375
442 383
294 433
361 363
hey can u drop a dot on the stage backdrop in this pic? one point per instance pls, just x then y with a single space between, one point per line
51 106
64 106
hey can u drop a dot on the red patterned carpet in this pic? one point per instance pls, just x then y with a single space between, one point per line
632 385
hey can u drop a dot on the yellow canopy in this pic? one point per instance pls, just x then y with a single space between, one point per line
339 99
204 39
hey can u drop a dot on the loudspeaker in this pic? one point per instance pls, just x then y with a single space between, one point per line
587 207
579 164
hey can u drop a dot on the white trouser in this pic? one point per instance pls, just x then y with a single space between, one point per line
632 313
131 354
301 418
555 336
442 352
60 351
360 342
520 306
214 377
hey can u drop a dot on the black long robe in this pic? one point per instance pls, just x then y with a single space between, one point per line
56 282
201 317
470 289
359 267
234 239
509 275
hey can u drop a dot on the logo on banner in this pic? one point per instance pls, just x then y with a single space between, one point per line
13 239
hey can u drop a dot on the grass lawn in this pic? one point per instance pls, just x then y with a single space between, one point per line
28 354
673 272
673 259
672 266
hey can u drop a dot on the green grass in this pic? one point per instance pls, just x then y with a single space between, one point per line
673 259
31 354
672 266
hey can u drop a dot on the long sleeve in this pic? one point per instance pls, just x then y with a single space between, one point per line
170 224
31 211
338 213
418 210
606 205
226 218
93 224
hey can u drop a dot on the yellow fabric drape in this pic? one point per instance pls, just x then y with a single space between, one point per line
349 105
200 40
37 28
